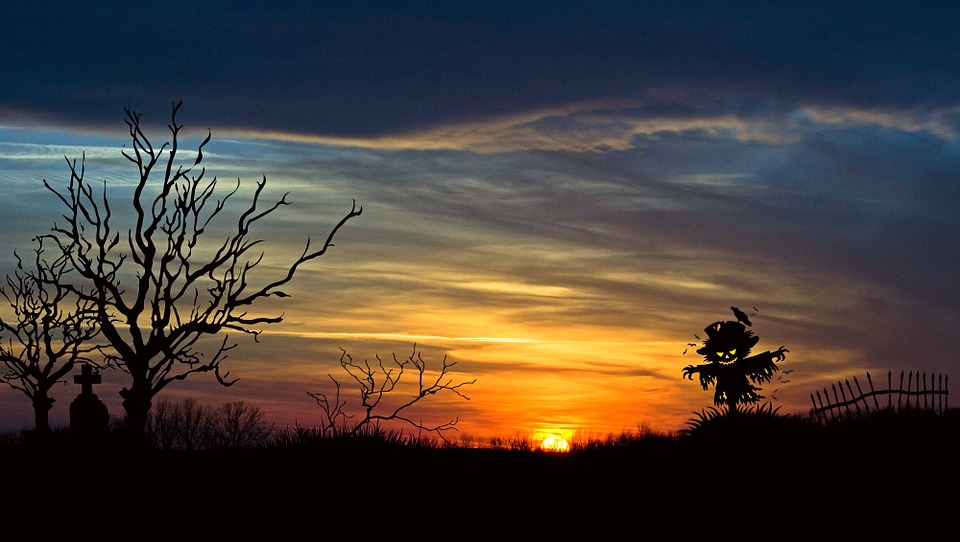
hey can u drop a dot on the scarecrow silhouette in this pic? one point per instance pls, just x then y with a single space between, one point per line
731 367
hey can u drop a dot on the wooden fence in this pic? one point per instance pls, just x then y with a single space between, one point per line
918 394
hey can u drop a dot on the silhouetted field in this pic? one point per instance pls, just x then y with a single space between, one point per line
763 472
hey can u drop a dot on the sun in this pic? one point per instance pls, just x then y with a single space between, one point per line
555 443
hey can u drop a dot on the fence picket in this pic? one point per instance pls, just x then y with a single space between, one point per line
866 408
900 390
856 404
876 403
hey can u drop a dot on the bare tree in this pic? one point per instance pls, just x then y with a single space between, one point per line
181 425
378 382
157 290
239 425
48 333
188 425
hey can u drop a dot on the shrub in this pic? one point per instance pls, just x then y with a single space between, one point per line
188 425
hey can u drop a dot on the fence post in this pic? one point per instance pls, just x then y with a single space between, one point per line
890 389
828 408
866 405
917 391
900 391
876 403
853 398
937 385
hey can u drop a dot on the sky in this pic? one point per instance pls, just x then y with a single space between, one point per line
558 197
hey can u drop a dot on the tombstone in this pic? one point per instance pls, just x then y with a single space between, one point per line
88 414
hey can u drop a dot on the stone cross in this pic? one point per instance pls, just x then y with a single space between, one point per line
86 379
88 414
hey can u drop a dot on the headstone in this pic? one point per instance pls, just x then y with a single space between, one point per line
88 414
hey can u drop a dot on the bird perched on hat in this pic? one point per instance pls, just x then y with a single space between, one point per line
741 316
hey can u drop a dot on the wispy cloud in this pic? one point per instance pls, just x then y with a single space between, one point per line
585 127
611 127
940 122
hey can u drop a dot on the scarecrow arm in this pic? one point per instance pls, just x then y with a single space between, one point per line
760 368
706 374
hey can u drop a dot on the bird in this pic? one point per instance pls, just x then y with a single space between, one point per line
741 316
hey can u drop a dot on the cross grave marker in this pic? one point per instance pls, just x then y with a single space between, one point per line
88 414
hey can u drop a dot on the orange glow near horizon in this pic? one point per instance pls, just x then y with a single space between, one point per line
568 382
550 385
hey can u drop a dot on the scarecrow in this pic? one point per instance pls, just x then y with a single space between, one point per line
730 367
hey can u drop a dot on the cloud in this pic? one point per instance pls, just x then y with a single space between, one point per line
373 71
573 128
613 127
940 122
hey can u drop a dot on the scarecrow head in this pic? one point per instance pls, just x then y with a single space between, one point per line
727 342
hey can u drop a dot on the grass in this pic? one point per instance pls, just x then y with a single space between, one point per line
710 431
760 469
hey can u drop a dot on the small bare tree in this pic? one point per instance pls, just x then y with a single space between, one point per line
181 425
378 382
49 332
188 425
158 291
239 425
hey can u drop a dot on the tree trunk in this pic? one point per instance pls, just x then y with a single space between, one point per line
42 404
137 401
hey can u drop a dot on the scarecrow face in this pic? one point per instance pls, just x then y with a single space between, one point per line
727 342
724 357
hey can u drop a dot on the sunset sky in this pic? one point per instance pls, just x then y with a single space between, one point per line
557 196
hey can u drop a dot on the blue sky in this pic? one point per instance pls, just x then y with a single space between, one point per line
557 196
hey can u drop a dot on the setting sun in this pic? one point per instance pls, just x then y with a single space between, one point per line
554 443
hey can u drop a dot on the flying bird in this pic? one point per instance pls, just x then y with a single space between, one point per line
741 316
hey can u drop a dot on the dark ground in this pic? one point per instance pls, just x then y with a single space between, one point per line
843 481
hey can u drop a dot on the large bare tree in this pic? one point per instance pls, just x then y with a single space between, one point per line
47 331
158 289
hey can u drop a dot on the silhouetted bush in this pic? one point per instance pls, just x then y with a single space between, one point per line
239 425
180 425
188 425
